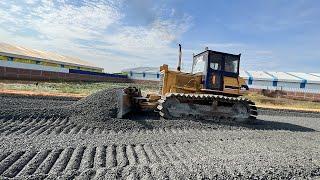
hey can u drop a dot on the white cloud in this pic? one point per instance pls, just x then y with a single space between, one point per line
223 45
92 30
65 21
15 9
31 1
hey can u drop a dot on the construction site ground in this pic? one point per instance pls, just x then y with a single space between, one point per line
58 137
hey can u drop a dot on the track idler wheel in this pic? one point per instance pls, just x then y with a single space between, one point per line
167 107
241 112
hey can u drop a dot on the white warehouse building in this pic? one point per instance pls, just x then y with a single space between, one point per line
287 81
143 73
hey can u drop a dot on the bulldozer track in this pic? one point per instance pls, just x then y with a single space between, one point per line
94 162
208 98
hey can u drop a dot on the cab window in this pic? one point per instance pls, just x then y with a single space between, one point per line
199 65
231 64
215 61
215 65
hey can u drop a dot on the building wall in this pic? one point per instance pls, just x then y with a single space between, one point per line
260 84
286 81
31 66
151 76
32 69
285 86
36 64
35 75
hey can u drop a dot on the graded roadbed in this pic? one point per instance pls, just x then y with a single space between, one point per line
59 142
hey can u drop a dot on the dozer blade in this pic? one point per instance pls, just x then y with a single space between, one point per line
124 103
126 100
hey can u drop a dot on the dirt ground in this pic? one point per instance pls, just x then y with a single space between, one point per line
47 144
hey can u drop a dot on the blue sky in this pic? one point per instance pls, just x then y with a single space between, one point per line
273 35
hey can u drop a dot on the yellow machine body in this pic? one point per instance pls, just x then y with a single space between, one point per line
181 82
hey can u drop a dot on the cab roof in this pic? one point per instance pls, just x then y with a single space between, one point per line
218 52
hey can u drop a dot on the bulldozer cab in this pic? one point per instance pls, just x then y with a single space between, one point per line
215 67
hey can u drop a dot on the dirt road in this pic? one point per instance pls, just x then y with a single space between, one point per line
278 145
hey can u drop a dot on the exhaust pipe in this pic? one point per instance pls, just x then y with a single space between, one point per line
179 62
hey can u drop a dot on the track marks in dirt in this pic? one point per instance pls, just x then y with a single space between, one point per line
128 160
144 172
40 126
28 126
57 126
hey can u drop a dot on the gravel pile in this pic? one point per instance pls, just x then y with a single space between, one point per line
99 107
100 110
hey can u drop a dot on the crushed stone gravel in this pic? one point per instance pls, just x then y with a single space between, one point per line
171 152
88 142
21 101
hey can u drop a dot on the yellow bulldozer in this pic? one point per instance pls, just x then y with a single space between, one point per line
212 90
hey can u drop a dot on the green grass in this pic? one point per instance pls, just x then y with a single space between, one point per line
84 88
262 100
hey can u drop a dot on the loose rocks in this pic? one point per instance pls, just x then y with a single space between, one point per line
100 106
100 109
75 143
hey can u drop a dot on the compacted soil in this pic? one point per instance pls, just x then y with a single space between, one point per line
63 138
